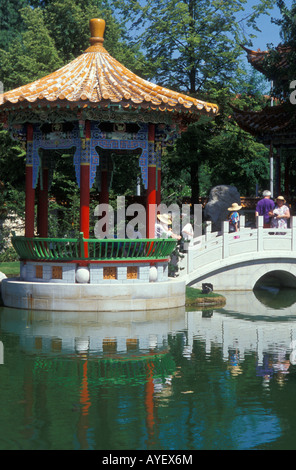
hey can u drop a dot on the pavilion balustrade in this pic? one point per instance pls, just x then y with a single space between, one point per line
71 249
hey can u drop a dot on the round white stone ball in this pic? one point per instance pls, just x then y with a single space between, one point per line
82 275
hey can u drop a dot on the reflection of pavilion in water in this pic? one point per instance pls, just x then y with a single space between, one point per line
94 334
248 323
101 351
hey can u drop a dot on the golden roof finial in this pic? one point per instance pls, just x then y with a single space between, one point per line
97 29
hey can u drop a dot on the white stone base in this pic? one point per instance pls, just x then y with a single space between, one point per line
92 297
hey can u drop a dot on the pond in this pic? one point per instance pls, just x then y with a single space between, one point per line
214 380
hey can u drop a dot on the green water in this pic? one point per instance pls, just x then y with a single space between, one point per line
176 380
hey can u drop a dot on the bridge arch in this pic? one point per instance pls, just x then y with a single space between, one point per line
242 261
277 278
248 274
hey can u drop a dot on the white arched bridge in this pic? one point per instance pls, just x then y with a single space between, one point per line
238 261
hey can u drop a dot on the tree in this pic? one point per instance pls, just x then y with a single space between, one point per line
194 46
31 55
11 23
67 22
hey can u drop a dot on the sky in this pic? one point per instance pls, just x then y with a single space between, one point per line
269 31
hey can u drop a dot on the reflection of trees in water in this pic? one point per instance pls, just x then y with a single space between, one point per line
276 298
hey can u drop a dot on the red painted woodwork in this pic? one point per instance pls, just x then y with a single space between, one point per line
151 202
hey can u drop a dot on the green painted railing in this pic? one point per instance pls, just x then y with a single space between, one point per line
68 249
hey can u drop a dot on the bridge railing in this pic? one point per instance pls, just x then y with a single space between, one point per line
215 246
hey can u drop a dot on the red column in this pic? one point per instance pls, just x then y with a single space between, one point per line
151 190
84 191
30 192
43 205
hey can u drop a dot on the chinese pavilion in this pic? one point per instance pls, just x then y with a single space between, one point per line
94 105
273 126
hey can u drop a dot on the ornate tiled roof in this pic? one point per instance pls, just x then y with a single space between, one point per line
257 58
95 79
270 121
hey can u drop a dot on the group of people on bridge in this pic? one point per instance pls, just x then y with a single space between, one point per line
275 213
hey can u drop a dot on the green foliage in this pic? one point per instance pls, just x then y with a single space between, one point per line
10 268
12 197
238 160
11 23
31 55
12 161
193 45
218 152
12 207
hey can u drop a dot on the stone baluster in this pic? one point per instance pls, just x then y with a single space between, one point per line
208 230
242 221
225 239
259 223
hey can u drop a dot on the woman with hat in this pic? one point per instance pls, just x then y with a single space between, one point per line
233 217
280 214
162 229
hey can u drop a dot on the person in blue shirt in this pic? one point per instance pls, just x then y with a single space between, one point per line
233 217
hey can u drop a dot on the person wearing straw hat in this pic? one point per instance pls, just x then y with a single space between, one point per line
280 214
162 229
233 217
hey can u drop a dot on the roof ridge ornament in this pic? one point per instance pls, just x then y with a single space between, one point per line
97 30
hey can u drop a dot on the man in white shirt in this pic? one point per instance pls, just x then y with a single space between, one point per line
187 230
